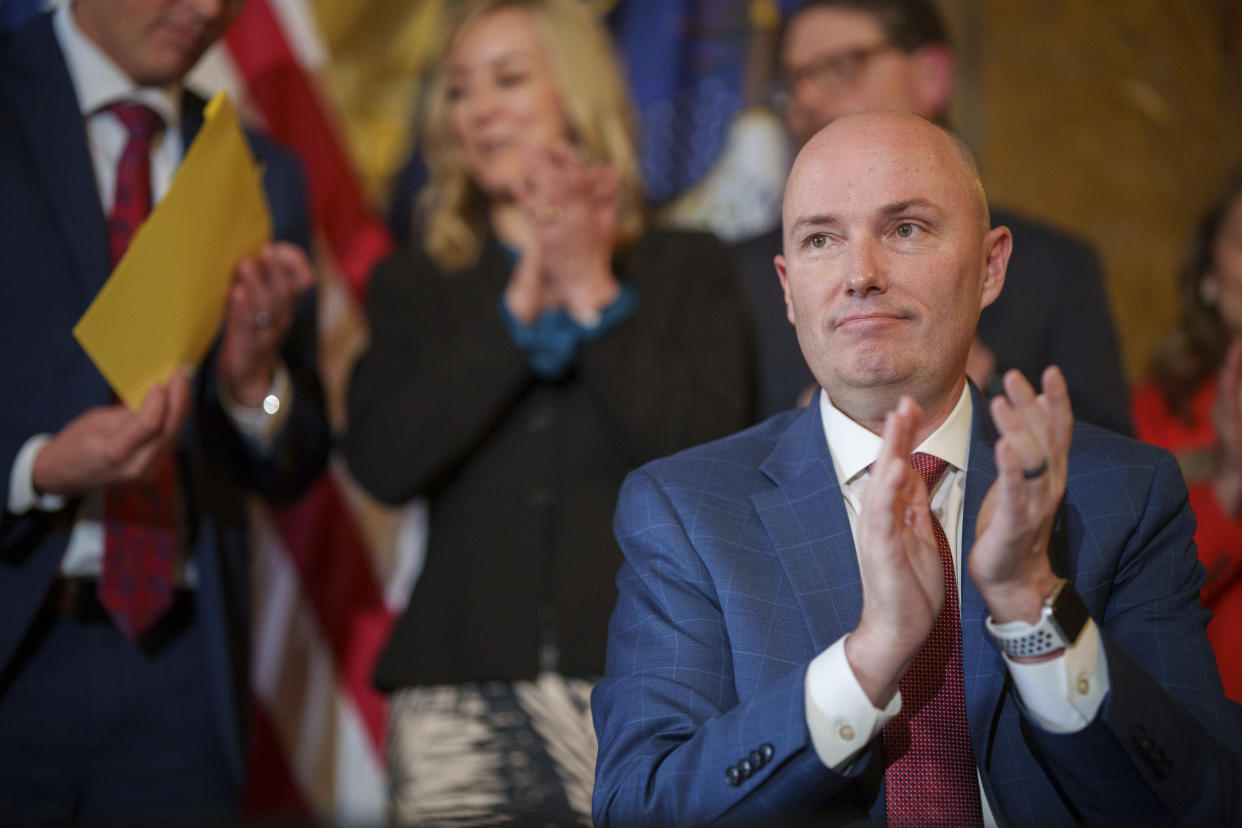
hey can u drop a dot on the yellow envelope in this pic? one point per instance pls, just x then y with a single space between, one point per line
163 304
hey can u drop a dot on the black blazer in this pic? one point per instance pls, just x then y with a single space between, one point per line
522 473
1053 311
53 259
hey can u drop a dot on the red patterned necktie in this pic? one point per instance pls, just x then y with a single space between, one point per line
140 520
930 777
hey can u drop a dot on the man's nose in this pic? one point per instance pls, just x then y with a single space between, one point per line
805 99
866 271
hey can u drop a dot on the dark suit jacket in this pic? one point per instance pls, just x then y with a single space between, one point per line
522 473
1053 311
740 568
53 259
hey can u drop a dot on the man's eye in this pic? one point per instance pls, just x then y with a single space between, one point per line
906 230
818 240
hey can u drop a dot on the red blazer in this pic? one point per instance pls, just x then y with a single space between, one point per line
1218 536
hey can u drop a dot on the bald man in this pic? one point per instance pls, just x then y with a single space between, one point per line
905 604
842 56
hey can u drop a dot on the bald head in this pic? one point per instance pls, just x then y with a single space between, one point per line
876 130
888 260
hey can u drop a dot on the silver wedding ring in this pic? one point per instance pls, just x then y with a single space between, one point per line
1031 474
262 319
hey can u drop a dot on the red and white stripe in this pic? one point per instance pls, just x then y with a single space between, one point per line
331 572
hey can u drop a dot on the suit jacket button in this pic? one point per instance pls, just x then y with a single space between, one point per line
766 750
732 776
756 759
744 768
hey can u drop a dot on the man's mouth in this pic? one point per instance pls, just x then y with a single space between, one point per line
862 321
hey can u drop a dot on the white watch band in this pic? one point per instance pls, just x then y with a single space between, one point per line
1061 619
1022 640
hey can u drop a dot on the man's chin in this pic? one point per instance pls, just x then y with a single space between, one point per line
168 69
875 368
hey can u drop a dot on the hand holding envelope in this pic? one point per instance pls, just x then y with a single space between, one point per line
162 306
202 256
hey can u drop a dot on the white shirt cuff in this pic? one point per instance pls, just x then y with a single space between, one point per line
261 423
22 494
1064 694
839 715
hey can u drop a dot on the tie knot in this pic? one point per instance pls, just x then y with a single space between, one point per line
139 119
930 468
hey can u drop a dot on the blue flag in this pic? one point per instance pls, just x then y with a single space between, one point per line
685 61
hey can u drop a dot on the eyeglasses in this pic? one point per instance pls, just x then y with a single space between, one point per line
833 70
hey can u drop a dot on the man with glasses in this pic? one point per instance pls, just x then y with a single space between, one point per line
843 56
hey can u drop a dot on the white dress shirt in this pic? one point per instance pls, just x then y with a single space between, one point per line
98 83
1062 694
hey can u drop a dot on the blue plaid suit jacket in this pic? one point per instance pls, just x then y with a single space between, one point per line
740 568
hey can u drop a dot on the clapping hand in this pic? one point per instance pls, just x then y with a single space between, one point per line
1009 560
260 309
902 576
573 209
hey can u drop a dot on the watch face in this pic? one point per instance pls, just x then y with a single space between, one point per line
1069 613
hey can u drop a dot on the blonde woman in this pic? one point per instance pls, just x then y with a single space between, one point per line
541 342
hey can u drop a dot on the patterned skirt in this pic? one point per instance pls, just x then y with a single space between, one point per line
493 753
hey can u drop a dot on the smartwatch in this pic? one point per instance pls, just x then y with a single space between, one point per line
1060 621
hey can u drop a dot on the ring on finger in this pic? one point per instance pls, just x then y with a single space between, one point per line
1038 471
262 319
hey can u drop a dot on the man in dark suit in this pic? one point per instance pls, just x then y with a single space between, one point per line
840 56
123 630
806 630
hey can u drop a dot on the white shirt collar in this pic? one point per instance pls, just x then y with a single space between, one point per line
854 448
98 81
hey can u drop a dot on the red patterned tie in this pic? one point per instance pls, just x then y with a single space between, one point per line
931 765
140 521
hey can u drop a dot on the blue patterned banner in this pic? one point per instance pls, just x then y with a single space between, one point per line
685 60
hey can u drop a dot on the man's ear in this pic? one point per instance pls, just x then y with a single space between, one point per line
933 80
997 245
779 262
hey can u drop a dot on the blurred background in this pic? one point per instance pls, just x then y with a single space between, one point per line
1116 120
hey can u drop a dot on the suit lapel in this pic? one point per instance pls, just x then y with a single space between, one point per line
55 134
983 667
805 517
191 118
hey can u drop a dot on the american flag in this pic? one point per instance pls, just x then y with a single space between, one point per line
330 573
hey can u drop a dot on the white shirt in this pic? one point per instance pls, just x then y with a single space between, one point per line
99 82
841 719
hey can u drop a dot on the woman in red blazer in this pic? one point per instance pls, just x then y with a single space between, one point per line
1192 405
